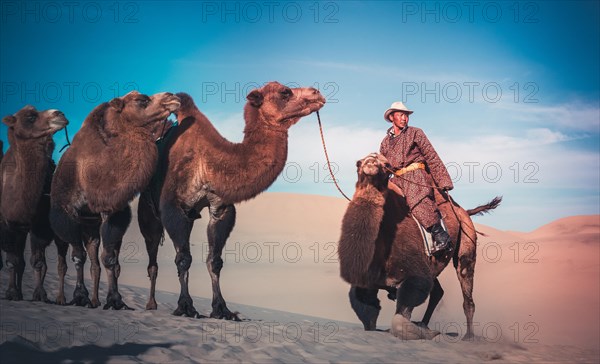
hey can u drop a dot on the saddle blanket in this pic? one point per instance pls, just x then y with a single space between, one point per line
427 239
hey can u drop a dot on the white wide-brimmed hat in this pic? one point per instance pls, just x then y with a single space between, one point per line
396 106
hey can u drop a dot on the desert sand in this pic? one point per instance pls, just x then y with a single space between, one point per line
537 297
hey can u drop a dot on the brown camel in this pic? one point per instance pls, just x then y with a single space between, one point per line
198 168
381 248
1 156
26 172
111 159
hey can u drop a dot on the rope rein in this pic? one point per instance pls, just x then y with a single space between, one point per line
68 141
327 158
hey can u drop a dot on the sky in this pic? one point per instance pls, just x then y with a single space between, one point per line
507 91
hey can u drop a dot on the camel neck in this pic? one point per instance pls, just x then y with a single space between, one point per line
256 162
31 154
371 194
25 175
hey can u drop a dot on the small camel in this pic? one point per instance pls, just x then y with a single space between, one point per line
111 159
199 168
381 247
26 172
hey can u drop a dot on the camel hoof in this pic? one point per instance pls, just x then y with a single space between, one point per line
225 314
151 305
39 295
468 337
61 300
115 302
185 307
81 297
13 294
404 329
366 313
95 303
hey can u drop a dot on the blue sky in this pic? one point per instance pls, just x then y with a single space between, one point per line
508 92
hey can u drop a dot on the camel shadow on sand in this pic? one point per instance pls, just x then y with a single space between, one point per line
23 351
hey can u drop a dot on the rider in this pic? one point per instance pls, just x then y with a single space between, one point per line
416 163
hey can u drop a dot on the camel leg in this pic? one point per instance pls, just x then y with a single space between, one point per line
179 228
91 239
152 230
366 305
80 294
222 220
112 230
465 271
69 231
39 243
14 247
434 298
61 252
412 292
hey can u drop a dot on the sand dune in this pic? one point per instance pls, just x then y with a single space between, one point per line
537 297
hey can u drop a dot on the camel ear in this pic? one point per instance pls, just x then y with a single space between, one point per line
117 103
255 98
358 164
9 120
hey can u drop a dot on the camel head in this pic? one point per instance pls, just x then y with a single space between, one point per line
136 109
280 106
374 170
29 123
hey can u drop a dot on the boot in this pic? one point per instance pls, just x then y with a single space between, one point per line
441 239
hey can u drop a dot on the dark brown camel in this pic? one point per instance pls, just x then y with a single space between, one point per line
381 248
1 156
26 172
198 168
111 159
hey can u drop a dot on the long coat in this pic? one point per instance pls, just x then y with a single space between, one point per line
411 146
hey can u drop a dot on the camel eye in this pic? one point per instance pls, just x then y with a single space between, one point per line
143 103
286 94
31 118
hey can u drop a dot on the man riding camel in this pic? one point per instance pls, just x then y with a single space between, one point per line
417 165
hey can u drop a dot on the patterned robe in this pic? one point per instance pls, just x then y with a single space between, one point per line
411 146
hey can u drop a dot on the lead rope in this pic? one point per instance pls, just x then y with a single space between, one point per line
327 158
68 142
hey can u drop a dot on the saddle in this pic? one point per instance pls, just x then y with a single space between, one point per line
427 238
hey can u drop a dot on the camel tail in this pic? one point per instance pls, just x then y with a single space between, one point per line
485 209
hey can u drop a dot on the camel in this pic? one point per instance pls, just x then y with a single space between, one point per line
381 247
1 156
199 168
26 172
109 162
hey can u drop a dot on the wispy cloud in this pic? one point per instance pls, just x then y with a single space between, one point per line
570 116
414 74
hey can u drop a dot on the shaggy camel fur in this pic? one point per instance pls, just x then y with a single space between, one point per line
199 168
111 159
26 172
381 248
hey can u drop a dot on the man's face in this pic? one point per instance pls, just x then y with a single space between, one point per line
400 119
